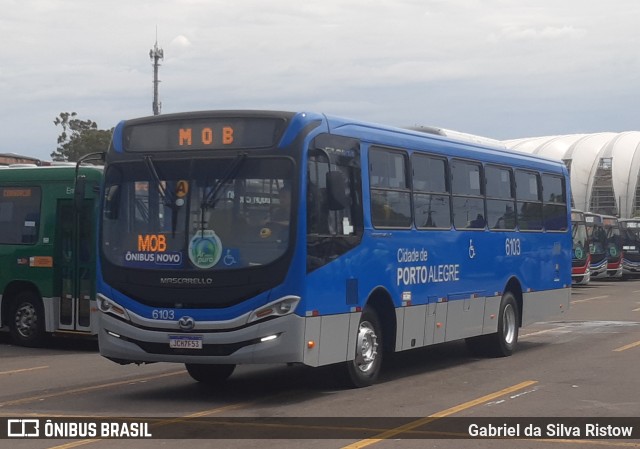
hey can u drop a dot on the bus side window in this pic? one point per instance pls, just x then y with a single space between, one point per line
554 210
529 200
333 199
389 187
19 215
500 198
431 201
317 198
468 200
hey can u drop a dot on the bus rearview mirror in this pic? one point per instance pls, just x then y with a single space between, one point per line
336 191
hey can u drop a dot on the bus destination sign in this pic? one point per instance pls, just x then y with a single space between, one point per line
203 134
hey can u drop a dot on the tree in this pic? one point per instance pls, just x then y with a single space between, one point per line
79 137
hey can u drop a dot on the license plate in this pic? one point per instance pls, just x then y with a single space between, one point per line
185 341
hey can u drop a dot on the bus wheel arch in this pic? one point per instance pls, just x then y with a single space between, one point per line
515 288
504 342
23 313
380 301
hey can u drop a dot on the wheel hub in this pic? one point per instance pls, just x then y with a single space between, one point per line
367 347
25 319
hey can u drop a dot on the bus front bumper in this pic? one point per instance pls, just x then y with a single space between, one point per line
277 340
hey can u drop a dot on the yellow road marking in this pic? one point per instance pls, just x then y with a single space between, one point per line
629 346
23 370
450 411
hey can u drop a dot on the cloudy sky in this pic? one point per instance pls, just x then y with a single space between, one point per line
498 68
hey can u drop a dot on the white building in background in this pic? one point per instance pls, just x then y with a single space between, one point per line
604 168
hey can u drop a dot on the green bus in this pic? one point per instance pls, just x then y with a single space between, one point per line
47 251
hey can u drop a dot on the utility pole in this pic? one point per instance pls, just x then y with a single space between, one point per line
156 54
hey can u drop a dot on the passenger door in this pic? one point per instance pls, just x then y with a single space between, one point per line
76 256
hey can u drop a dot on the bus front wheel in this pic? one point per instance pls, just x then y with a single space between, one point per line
209 374
364 369
27 320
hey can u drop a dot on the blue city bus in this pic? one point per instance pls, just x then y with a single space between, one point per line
254 237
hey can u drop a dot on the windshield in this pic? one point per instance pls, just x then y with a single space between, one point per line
631 237
598 239
197 214
579 240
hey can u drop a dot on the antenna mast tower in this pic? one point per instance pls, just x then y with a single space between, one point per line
156 54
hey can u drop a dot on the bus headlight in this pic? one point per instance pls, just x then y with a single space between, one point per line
281 307
107 305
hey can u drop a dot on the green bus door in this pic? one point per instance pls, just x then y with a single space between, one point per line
77 265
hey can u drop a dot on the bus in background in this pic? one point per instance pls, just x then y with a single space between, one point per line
597 245
614 246
630 231
249 237
581 260
47 251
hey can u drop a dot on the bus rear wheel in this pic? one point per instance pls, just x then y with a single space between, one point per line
27 320
364 369
209 374
503 343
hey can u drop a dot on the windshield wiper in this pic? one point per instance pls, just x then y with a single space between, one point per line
232 170
211 199
165 195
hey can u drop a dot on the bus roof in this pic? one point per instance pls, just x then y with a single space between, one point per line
462 147
48 173
451 143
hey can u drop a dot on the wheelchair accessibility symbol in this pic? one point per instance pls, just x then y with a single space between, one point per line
229 259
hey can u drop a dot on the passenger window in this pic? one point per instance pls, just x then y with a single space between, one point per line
390 195
468 202
529 204
500 198
555 203
19 215
431 201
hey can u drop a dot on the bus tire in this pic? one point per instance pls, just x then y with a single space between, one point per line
209 374
504 342
26 324
364 369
